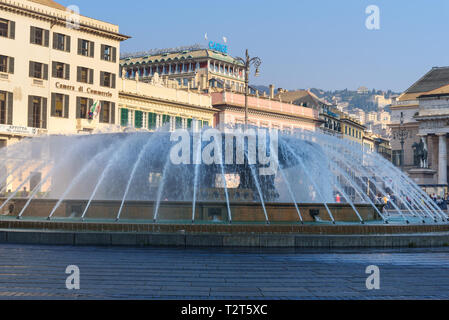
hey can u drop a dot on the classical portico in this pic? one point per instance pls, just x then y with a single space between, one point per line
433 119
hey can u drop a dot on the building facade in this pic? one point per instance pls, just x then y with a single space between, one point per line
152 106
262 112
53 68
201 69
420 122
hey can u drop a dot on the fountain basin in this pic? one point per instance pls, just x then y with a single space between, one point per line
206 212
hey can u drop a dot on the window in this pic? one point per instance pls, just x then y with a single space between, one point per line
6 100
59 105
60 70
124 117
38 70
39 36
82 107
86 48
107 79
37 112
178 123
138 119
108 53
6 64
7 28
61 42
189 123
398 159
107 112
185 82
152 118
85 75
165 119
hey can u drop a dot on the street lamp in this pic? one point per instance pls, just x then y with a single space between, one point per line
248 62
402 135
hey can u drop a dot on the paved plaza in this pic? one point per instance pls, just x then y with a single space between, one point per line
38 272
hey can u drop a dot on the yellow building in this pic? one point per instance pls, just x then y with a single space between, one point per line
152 105
352 129
54 65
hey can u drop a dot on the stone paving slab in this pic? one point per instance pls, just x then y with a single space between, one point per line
38 272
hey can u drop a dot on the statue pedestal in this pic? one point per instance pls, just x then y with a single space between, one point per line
422 175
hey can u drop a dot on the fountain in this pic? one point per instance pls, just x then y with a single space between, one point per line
207 177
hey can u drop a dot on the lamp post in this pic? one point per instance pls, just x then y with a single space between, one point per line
248 62
402 135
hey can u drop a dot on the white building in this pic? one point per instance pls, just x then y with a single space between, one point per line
54 65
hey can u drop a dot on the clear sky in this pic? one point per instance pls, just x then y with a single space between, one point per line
303 43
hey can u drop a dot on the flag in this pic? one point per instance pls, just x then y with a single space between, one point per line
95 109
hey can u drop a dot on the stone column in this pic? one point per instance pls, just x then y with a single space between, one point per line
442 159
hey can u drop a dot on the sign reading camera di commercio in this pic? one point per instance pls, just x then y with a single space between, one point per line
8 129
218 47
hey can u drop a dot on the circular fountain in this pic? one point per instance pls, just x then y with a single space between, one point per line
206 178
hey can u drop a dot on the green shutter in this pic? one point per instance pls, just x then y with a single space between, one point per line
152 117
178 122
165 119
138 119
124 117
189 123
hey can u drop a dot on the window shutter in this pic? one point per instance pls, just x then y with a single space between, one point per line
78 107
46 37
32 35
114 54
92 49
11 65
67 43
78 74
44 113
102 52
112 113
45 71
12 29
10 101
66 106
101 112
91 76
31 69
53 69
102 78
67 71
80 46
113 81
55 37
30 111
53 105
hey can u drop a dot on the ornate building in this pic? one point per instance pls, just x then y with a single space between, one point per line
53 66
149 106
420 121
201 69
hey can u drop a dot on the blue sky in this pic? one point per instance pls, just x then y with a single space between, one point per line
303 43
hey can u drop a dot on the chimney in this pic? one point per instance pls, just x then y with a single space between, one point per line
271 91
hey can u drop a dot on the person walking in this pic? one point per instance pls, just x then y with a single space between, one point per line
338 198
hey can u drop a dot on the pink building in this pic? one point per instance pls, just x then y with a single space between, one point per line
263 112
